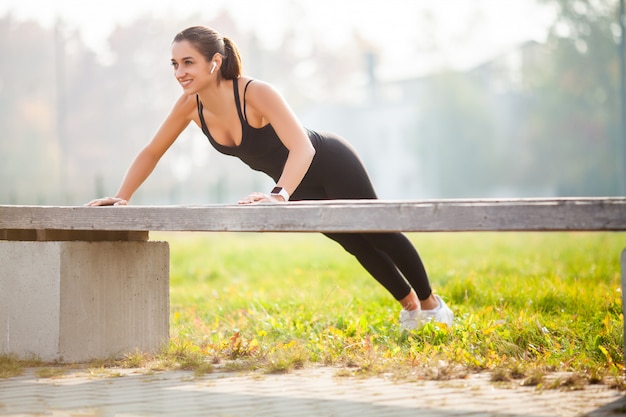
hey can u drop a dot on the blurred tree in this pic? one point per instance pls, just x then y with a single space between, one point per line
461 151
573 123
29 146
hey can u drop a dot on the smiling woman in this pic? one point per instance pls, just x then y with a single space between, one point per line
250 120
212 47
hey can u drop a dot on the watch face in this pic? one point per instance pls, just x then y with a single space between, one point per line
276 190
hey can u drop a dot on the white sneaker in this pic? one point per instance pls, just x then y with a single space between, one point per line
410 320
441 314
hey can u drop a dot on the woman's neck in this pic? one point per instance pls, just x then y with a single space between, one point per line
215 98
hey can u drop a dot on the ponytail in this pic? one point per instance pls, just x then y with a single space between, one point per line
231 64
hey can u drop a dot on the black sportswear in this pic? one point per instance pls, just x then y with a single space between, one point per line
336 172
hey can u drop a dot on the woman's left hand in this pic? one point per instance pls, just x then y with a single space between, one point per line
255 198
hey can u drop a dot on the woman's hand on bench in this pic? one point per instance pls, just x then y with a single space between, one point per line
257 197
108 201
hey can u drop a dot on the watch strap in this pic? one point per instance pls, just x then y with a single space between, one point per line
280 191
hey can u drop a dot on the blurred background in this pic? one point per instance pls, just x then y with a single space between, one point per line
442 98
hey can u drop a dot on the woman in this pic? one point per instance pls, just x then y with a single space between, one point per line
249 119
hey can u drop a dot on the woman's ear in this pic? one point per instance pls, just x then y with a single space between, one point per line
217 60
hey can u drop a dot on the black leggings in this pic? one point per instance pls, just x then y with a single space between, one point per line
338 173
388 257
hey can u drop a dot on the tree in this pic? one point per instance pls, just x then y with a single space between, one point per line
574 120
29 146
461 150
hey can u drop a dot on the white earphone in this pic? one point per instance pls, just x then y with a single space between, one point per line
213 67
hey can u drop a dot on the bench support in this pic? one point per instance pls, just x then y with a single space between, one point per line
72 301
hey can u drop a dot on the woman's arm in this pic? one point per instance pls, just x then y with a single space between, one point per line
147 159
272 107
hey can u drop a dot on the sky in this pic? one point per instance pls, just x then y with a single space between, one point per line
455 34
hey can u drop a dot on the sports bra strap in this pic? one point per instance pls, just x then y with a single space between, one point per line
203 125
245 116
242 116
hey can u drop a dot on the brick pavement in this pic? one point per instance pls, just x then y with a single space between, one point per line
310 392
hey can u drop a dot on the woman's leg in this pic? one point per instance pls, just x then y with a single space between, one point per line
404 255
338 173
392 260
376 262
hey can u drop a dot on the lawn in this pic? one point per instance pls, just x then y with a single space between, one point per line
526 304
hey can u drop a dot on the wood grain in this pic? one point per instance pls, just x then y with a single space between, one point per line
573 214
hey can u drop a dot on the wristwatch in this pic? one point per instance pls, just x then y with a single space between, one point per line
280 191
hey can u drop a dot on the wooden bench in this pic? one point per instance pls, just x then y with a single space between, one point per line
85 282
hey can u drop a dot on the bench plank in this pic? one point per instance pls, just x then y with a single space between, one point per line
573 214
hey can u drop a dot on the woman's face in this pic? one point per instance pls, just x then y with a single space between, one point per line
191 69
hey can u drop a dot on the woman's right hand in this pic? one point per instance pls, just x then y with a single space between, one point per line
108 201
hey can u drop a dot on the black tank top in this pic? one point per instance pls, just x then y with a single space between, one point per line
336 171
261 148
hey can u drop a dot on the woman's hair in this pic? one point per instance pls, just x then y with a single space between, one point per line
209 42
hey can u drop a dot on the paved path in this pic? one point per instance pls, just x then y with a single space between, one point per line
305 393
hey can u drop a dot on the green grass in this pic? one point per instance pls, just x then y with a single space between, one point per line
527 304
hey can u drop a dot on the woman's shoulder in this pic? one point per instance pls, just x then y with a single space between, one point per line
256 89
187 101
186 105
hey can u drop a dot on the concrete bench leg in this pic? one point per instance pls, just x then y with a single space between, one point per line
74 301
